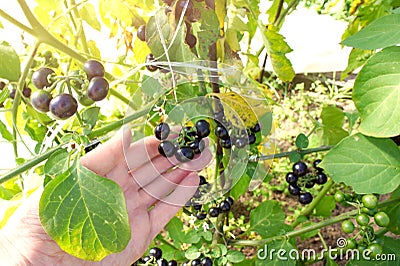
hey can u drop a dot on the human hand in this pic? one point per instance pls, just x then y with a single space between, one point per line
146 178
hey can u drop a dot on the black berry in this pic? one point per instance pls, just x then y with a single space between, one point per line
305 198
162 262
230 200
197 145
98 88
321 178
161 131
225 206
240 143
184 154
190 40
213 212
227 144
201 215
40 100
294 189
300 168
141 33
310 183
63 106
172 263
26 92
156 253
166 148
40 78
196 262
221 132
316 163
202 128
206 261
203 180
150 59
252 138
197 207
93 68
256 128
291 178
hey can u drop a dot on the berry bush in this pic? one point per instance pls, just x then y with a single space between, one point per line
184 72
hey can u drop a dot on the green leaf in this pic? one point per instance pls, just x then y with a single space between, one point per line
35 130
10 68
208 33
376 94
89 117
235 256
151 86
380 33
241 186
192 253
175 230
394 213
268 219
57 163
5 133
325 207
272 254
88 14
369 165
4 94
85 214
302 141
331 132
357 58
332 116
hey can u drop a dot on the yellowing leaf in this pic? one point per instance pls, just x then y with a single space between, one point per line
240 110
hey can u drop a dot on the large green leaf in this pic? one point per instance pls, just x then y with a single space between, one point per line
278 253
85 214
9 64
369 165
268 219
376 94
332 130
381 33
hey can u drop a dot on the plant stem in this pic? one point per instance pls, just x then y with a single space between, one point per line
306 229
119 123
16 22
29 164
288 153
279 21
310 208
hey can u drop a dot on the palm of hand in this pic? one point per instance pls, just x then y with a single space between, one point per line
144 176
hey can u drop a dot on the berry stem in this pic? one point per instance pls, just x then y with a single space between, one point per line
288 153
309 209
306 229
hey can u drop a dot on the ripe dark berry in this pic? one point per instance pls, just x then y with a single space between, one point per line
305 198
2 85
227 144
63 106
156 253
252 139
181 5
291 178
162 262
294 189
221 132
146 259
310 183
321 178
196 262
190 40
40 78
225 206
316 163
201 215
98 88
240 143
197 207
93 68
206 261
26 92
172 263
300 168
256 128
184 154
166 148
230 200
202 128
149 59
141 33
198 145
203 180
12 93
40 100
197 194
161 131
213 212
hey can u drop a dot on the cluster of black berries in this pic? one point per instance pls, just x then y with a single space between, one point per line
232 136
155 257
301 178
64 105
189 142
